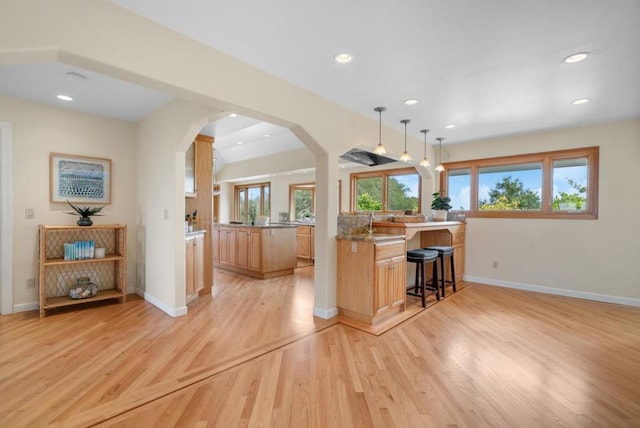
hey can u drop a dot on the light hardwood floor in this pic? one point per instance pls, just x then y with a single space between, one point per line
483 357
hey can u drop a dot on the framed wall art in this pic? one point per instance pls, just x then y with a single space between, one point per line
79 179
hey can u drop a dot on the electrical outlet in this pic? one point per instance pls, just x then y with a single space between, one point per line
494 264
28 213
354 247
31 283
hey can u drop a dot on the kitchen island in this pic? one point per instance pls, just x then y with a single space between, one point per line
257 251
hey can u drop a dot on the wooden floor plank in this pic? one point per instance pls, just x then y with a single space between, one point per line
484 357
253 355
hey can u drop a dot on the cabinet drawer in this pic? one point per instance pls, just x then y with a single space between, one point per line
390 249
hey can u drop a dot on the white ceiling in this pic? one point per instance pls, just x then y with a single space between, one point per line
490 67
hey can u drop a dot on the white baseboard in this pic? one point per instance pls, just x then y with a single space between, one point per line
325 313
174 312
24 307
627 301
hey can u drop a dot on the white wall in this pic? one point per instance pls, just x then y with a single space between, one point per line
162 139
598 259
39 130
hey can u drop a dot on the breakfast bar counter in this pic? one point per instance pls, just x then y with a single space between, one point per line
451 233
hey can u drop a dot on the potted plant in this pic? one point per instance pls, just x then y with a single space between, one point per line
440 205
85 214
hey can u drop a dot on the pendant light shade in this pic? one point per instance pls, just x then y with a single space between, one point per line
440 167
425 162
379 149
405 157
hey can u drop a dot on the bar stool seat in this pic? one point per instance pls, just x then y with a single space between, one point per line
422 258
445 251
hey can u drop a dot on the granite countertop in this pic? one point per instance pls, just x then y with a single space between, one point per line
371 237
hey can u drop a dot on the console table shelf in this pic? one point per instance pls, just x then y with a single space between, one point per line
57 276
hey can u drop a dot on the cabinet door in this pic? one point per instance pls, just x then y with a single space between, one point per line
233 251
397 281
223 245
243 248
189 268
255 250
216 245
312 243
228 246
304 242
198 263
381 294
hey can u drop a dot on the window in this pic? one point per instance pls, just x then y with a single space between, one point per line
386 191
251 201
302 200
560 184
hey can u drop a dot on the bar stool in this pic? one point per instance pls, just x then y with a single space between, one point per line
445 251
423 257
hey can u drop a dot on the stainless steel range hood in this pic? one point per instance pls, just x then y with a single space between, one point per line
366 157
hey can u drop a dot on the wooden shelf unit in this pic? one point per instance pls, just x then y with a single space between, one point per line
57 276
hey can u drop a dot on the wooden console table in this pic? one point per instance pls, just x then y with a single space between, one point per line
432 233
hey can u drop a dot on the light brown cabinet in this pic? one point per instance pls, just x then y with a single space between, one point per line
57 275
305 238
371 279
249 244
194 269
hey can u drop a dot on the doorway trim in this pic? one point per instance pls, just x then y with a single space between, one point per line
6 221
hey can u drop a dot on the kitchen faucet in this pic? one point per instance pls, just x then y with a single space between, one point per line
370 223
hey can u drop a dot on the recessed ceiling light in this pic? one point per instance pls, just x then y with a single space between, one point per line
239 142
233 115
451 126
64 97
411 101
580 101
343 58
576 57
267 135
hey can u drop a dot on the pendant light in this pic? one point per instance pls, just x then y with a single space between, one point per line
379 149
440 167
425 162
405 157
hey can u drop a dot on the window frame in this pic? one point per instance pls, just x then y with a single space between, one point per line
384 174
302 186
236 199
546 158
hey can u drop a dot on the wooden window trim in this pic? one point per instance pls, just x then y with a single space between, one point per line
302 186
236 191
546 158
385 174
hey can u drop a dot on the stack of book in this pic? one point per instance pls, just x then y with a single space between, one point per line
79 250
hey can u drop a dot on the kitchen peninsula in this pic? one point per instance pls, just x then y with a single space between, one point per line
258 251
372 269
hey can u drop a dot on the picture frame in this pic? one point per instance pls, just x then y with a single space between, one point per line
79 179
